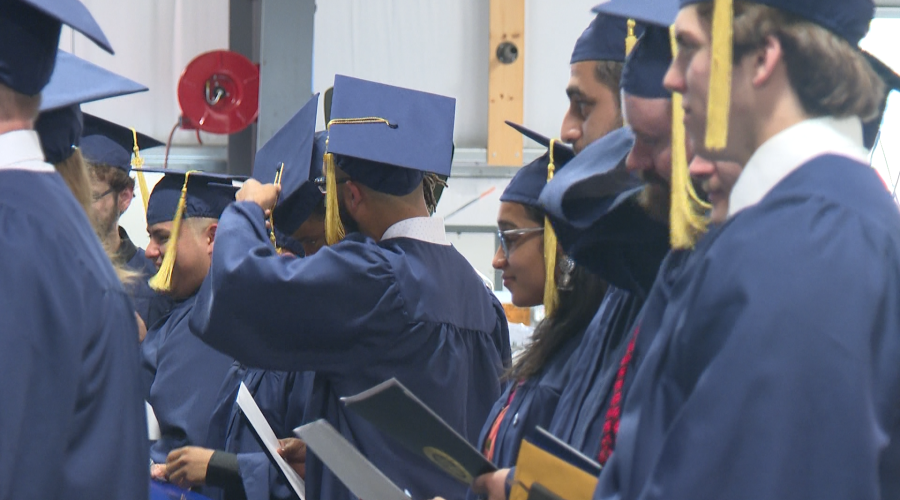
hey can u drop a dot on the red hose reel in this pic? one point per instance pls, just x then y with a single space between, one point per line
219 93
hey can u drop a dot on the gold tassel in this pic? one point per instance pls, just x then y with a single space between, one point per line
162 281
277 182
551 294
138 162
719 105
686 219
630 39
334 228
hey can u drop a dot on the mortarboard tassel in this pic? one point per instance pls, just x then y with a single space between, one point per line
630 39
719 105
334 229
277 182
162 281
138 162
551 295
686 220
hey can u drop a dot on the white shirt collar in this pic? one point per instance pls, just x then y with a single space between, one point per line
790 149
427 229
21 150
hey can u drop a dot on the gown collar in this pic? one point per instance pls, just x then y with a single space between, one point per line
21 150
789 150
427 229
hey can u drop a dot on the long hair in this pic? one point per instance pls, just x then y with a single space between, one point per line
576 309
74 172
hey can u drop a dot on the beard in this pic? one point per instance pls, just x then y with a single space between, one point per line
106 224
656 196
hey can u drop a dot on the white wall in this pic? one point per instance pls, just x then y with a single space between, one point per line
437 46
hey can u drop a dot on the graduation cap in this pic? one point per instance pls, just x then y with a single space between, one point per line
525 188
655 12
598 223
29 36
642 76
592 183
848 19
385 138
106 143
645 68
290 158
182 195
607 38
74 82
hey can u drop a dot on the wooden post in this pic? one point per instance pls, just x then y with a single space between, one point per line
506 77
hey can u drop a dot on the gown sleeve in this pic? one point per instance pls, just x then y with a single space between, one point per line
293 314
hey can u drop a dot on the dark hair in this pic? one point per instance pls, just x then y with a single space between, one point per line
576 309
609 74
830 77
117 179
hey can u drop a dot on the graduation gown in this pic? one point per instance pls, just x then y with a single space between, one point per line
281 396
182 378
72 423
774 373
532 406
585 402
358 313
150 306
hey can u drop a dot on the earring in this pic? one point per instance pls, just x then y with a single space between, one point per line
566 266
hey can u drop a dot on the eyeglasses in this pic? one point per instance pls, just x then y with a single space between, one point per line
320 183
510 237
98 197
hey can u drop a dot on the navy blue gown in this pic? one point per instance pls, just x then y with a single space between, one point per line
281 396
774 373
182 378
72 422
358 313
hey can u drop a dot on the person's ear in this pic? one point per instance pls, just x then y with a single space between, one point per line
765 60
124 199
211 236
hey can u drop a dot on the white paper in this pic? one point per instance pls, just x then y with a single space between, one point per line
346 462
152 424
267 436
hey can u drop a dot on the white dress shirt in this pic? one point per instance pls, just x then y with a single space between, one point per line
21 150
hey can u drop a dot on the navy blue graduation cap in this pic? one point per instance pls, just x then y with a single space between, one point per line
291 158
385 138
600 225
647 64
29 36
106 143
182 195
645 69
655 12
74 82
848 19
607 38
529 181
526 187
60 132
594 182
